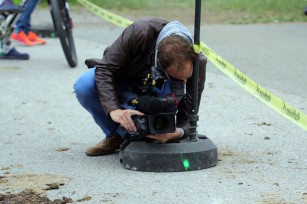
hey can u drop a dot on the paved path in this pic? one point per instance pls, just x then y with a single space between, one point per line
262 156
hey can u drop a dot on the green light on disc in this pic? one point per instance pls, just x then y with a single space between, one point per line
186 164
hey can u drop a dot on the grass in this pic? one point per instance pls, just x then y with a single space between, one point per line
215 11
219 11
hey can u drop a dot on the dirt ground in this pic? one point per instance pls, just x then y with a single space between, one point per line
32 188
29 196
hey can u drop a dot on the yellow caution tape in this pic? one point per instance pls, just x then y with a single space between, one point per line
280 106
115 19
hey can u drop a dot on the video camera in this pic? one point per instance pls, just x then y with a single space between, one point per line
160 112
158 117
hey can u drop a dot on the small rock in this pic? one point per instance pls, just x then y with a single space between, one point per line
85 198
52 186
62 149
264 123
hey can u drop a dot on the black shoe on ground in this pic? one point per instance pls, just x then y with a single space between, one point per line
15 55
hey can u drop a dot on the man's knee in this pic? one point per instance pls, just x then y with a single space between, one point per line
84 88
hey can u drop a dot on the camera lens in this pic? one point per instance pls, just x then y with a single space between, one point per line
160 123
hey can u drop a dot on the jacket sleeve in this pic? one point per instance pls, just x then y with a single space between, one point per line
116 58
185 105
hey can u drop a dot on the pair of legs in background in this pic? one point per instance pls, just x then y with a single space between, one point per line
22 31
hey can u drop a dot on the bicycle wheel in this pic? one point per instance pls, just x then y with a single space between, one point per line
63 26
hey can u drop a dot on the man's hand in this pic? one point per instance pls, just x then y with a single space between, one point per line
123 117
165 137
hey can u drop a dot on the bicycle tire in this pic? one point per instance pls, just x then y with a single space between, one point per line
63 27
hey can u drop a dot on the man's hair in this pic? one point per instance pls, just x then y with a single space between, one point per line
175 50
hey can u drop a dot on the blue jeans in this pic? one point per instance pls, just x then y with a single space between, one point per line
87 95
24 21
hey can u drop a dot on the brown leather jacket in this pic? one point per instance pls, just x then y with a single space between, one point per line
131 57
